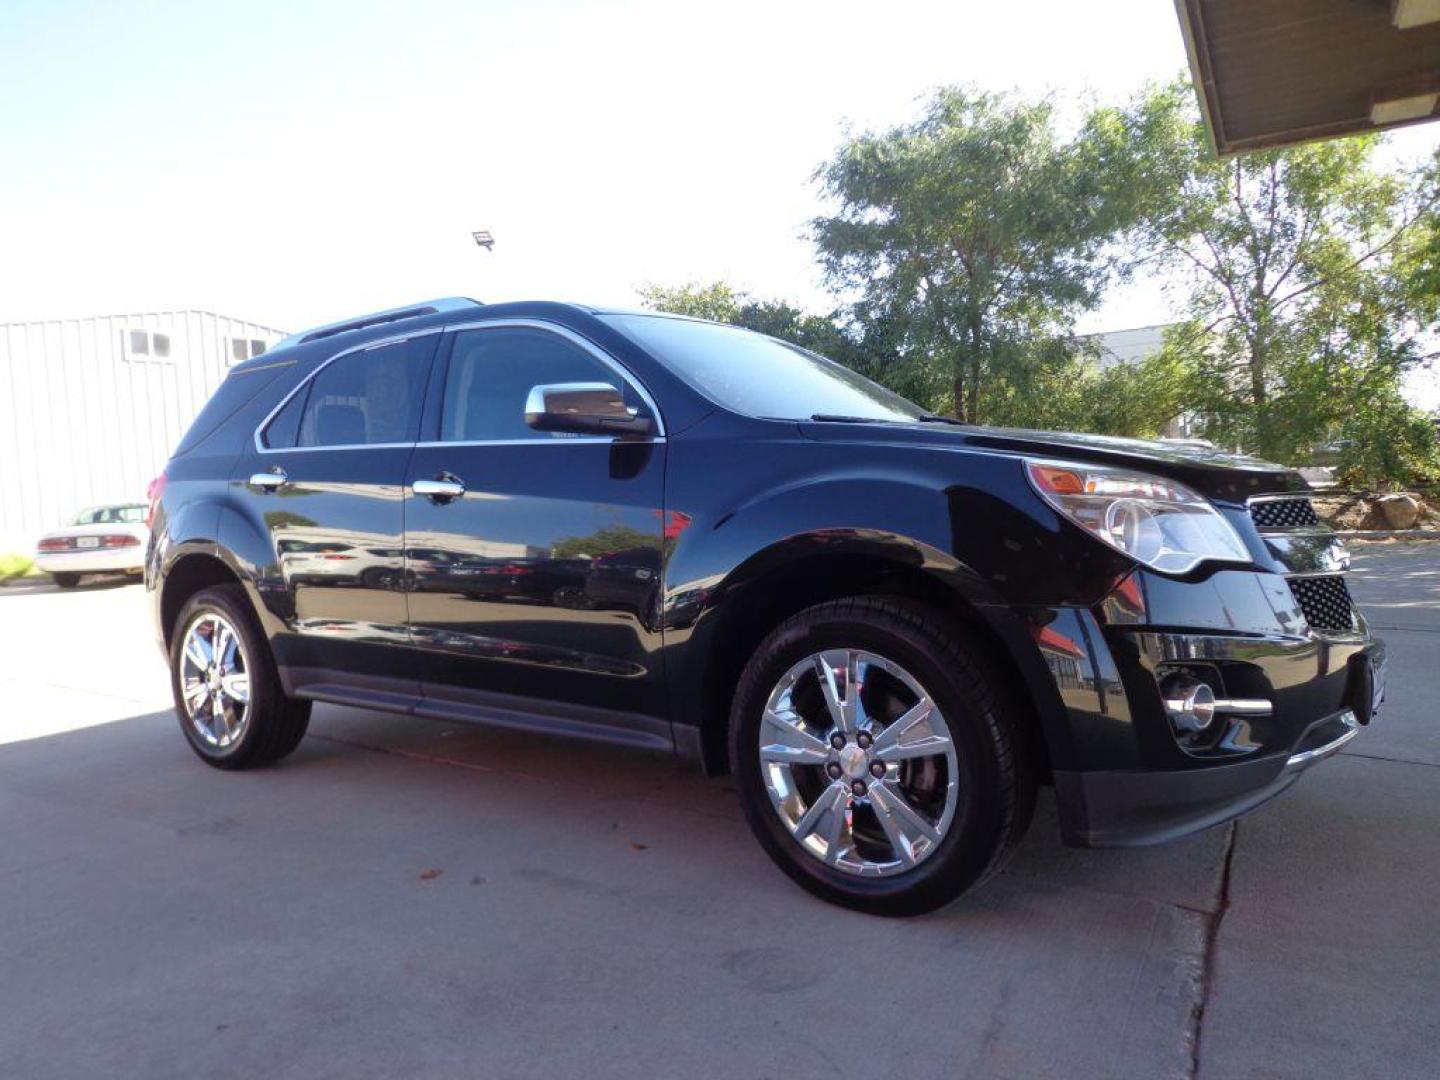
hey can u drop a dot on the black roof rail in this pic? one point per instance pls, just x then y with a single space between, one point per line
379 318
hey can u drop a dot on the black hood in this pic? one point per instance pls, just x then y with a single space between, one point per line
1218 475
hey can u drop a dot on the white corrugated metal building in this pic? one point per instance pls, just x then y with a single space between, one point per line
91 408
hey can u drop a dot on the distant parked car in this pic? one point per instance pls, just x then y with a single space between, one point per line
99 540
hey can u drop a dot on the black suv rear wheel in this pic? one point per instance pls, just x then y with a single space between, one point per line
875 760
227 695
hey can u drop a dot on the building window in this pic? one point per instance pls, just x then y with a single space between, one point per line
245 349
145 346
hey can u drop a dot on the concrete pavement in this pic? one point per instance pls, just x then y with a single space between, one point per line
409 898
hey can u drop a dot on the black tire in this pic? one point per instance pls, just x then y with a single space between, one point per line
275 724
66 580
996 795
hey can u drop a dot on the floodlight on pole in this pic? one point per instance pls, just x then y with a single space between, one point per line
483 239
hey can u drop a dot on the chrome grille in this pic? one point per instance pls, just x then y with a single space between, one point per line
1325 601
1284 513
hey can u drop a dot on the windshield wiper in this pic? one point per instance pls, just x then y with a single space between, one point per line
936 418
837 418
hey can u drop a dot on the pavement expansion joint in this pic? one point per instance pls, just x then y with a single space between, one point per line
1212 948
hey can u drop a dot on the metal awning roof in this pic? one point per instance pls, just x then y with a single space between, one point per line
1271 72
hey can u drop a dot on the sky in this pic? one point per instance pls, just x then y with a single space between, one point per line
299 162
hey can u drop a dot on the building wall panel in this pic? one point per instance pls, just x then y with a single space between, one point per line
83 422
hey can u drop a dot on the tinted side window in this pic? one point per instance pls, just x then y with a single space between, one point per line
282 431
493 371
367 397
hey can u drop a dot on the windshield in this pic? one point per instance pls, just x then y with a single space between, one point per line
111 515
760 376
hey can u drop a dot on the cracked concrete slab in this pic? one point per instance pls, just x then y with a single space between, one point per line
1328 960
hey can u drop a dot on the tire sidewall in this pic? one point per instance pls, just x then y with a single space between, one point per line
967 848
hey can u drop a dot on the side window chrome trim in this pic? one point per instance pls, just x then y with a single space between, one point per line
579 340
608 440
260 446
585 345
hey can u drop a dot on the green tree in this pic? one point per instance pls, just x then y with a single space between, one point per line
1311 278
719 301
604 541
1074 392
974 237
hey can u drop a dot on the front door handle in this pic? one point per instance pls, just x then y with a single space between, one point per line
270 481
442 489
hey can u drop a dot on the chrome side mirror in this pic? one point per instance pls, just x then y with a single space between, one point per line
584 408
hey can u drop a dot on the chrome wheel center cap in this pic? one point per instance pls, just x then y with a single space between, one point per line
853 761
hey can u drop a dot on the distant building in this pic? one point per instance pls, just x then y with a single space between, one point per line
1129 346
91 408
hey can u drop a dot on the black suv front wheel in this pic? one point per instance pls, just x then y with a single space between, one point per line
227 695
875 760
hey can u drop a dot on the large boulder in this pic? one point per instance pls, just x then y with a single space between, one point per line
1399 511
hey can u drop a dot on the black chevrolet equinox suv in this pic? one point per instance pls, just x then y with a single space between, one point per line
643 529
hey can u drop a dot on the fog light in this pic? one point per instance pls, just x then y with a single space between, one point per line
1189 703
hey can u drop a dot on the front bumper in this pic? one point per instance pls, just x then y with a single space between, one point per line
130 560
1130 809
1124 775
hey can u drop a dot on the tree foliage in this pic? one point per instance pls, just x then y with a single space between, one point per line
1136 399
604 541
719 301
965 245
1311 280
975 236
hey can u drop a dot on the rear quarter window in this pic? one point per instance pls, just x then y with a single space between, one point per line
284 429
238 389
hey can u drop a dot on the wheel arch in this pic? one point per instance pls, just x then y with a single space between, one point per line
195 567
806 570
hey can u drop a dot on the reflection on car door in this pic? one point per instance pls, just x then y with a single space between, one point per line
327 487
536 590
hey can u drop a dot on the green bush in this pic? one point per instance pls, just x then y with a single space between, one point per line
13 566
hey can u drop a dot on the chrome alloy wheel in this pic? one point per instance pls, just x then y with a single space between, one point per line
215 680
858 762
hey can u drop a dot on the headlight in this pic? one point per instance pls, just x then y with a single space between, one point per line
1153 520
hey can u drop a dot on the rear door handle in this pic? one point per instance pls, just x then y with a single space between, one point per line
269 481
442 489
